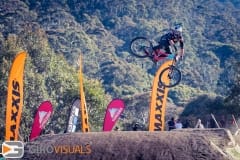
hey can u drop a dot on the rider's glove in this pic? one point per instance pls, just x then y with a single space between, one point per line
179 57
175 48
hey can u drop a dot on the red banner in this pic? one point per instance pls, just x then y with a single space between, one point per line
41 118
114 110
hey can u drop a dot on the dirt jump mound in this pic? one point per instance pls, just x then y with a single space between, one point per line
186 144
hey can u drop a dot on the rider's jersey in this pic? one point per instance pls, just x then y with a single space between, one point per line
172 35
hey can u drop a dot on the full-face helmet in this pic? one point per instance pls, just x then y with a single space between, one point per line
178 28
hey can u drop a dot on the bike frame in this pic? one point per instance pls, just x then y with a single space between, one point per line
153 52
142 47
159 55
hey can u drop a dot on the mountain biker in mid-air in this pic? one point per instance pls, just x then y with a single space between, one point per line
169 40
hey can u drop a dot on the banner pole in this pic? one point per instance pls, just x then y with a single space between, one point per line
83 106
213 117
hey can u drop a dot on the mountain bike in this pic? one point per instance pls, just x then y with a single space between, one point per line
142 47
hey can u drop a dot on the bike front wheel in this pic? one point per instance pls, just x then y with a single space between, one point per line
141 47
170 76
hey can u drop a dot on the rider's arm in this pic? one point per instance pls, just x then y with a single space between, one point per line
173 45
182 47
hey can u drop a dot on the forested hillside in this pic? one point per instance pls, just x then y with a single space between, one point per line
55 32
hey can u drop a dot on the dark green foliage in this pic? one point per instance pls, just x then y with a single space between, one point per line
183 93
204 104
232 101
47 77
102 30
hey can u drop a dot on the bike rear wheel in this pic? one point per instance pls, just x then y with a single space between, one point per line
141 47
173 76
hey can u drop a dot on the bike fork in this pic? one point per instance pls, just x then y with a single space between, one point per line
170 72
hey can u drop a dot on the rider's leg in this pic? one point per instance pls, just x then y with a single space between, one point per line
155 53
156 49
176 56
171 54
160 50
168 50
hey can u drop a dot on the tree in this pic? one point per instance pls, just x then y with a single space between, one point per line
47 76
233 100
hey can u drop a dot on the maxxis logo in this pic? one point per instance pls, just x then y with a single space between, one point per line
15 107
